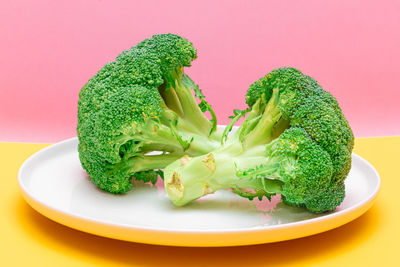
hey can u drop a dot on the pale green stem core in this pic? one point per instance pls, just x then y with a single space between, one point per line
169 116
262 132
150 162
249 122
179 98
188 178
160 137
171 99
199 144
191 110
147 162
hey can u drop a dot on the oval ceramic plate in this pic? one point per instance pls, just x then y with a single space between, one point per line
54 183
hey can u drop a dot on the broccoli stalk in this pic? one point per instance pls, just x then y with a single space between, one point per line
177 95
282 147
292 165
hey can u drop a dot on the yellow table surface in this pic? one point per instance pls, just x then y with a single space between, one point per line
30 239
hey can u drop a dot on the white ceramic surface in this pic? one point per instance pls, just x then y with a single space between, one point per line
53 182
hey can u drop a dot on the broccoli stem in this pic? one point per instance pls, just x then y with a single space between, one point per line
144 163
190 110
203 105
171 99
169 116
178 98
249 122
200 145
280 127
188 179
262 132
168 139
150 162
229 127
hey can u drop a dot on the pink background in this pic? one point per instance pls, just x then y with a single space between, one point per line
49 49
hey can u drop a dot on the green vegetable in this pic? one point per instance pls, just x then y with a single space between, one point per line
140 103
295 141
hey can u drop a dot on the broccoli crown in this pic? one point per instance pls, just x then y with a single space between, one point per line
150 64
295 141
104 140
304 167
327 200
125 113
137 104
304 104
135 66
322 118
291 83
173 50
102 173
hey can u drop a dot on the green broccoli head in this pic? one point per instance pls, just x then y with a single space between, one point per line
135 66
140 103
322 118
295 141
291 83
122 120
174 51
116 178
101 172
300 102
304 167
112 140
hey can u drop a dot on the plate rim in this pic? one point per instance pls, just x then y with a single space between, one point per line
61 216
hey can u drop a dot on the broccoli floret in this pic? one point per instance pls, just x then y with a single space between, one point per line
294 141
175 53
141 103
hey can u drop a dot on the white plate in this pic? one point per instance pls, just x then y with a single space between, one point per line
54 183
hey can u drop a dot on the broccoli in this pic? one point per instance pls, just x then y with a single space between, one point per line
294 141
140 103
